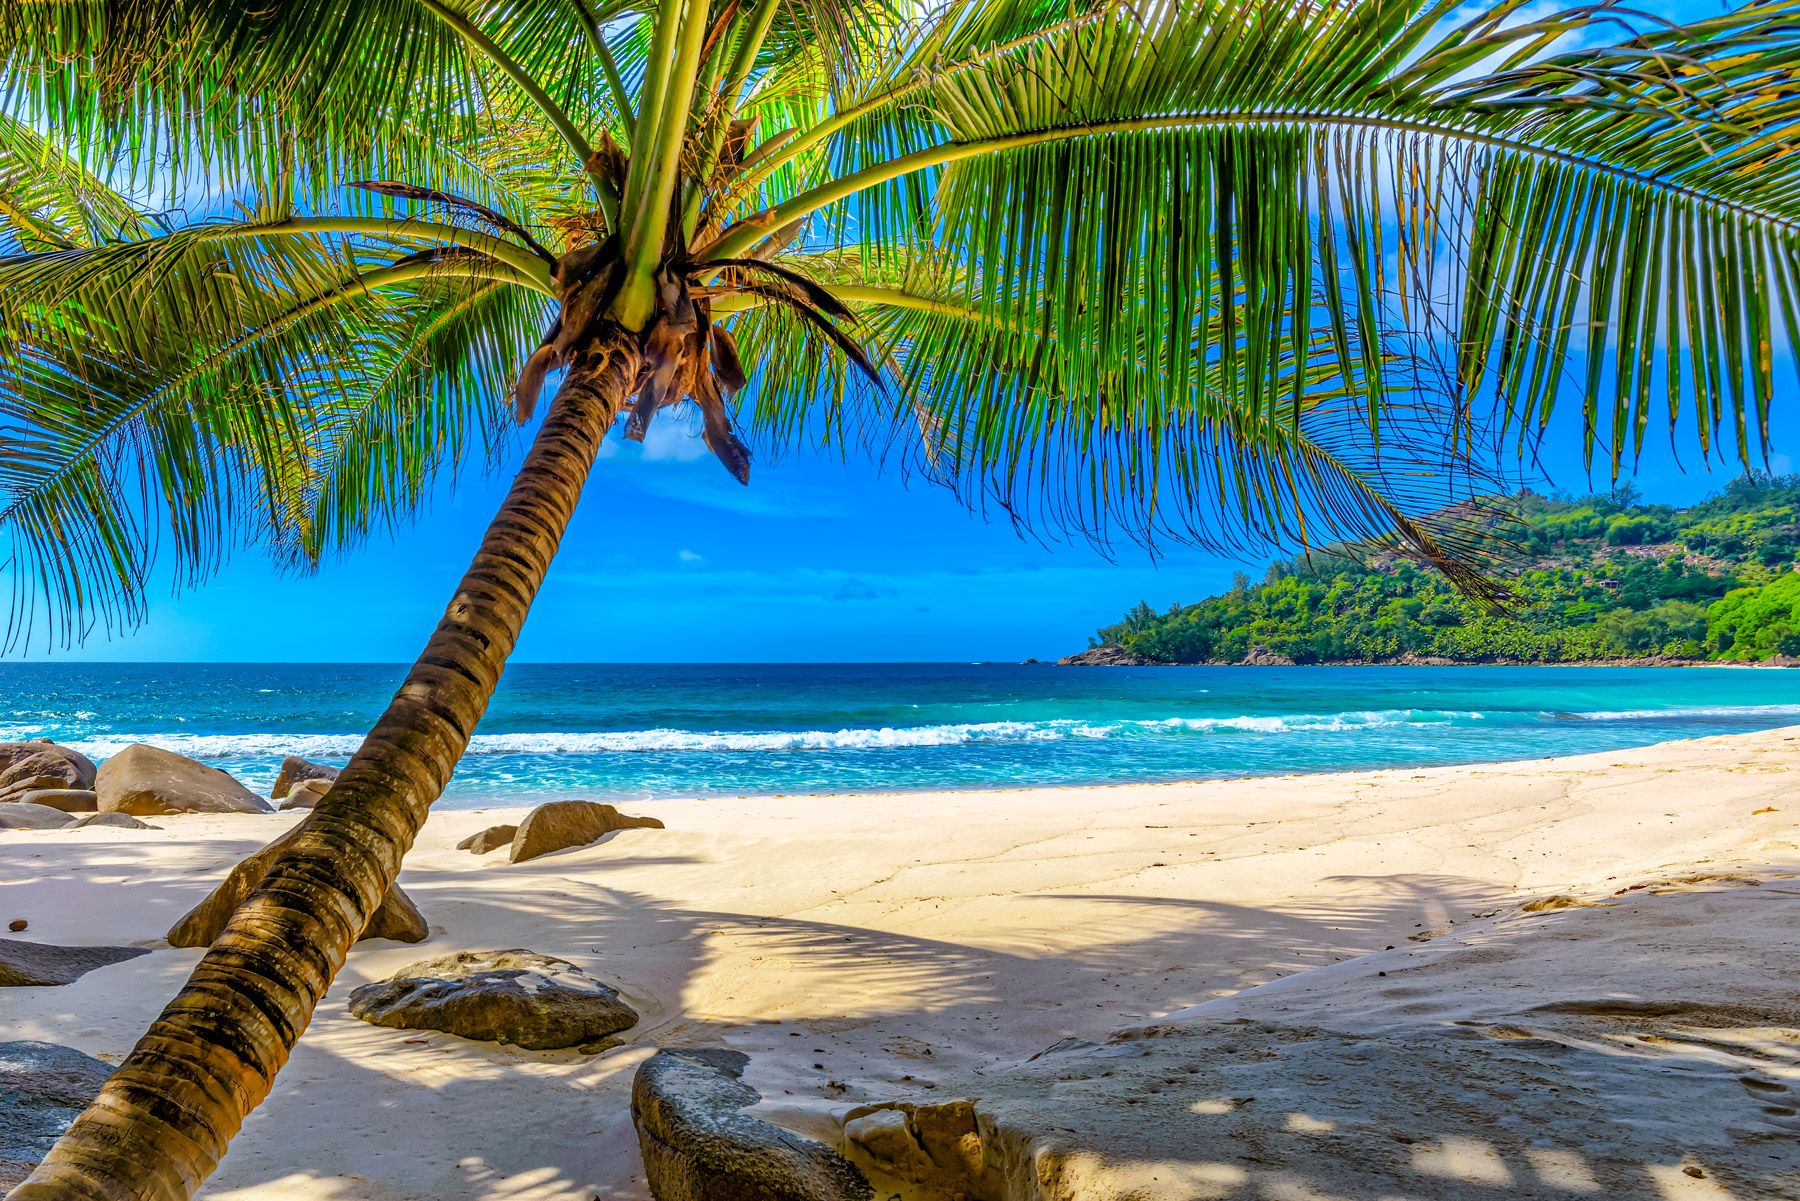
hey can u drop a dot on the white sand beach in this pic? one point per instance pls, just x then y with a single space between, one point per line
922 947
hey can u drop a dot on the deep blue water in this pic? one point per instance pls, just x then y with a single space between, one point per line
612 731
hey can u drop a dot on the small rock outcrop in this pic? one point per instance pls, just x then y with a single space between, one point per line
306 794
69 800
700 1145
16 815
562 824
42 1088
1105 656
36 964
937 1149
1261 655
295 770
41 764
490 839
397 918
116 821
519 997
146 781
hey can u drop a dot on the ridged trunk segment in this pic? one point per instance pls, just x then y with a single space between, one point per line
163 1120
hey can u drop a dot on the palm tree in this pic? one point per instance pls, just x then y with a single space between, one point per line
1231 270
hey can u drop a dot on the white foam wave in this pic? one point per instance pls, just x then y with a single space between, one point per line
341 746
1724 711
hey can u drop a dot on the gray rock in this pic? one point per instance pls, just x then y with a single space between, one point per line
69 800
42 1088
16 815
516 996
699 1145
116 821
306 794
145 781
561 824
396 918
33 964
295 770
490 839
41 759
1262 655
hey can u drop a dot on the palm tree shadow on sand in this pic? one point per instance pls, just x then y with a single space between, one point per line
927 1020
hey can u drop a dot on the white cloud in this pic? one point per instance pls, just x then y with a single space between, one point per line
690 556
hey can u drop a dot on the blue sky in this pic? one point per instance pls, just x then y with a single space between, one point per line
669 559
819 559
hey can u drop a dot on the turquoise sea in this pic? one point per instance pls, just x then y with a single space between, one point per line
622 732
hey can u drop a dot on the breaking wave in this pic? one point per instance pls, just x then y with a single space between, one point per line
329 746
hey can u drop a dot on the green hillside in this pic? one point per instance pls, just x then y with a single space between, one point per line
1595 578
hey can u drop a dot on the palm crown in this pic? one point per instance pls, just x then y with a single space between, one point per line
1167 269
1217 268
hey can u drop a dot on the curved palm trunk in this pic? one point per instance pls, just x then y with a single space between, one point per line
161 1123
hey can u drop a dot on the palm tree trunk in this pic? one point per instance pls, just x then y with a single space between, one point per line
161 1123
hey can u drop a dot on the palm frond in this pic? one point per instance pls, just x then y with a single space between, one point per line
168 397
1546 215
189 94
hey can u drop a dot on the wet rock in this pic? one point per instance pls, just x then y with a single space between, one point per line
519 997
115 821
490 839
145 781
16 815
295 770
69 800
42 1088
561 824
306 794
397 918
36 964
700 1145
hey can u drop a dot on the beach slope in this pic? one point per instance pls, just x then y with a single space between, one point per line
922 948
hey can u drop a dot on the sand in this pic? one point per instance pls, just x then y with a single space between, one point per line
924 946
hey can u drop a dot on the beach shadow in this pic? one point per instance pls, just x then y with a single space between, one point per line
432 1115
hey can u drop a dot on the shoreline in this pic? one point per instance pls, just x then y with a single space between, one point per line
1105 657
915 947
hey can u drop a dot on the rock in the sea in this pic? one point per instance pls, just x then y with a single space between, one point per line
147 780
37 964
700 1145
69 800
40 764
1262 655
520 997
560 824
116 821
397 918
42 1088
490 839
1105 656
16 815
295 770
306 794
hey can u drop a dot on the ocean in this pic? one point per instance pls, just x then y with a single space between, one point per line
624 732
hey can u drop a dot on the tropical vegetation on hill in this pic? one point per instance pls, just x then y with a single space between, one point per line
1171 269
1600 577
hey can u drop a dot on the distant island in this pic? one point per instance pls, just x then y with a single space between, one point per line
1599 579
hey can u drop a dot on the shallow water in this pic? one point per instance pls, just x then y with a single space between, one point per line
625 731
